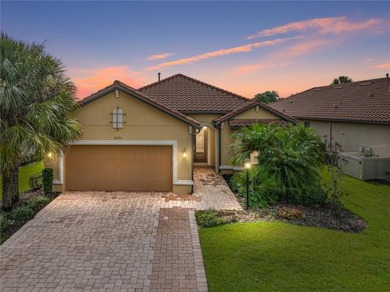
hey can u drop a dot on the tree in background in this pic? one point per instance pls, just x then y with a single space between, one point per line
342 79
267 96
36 102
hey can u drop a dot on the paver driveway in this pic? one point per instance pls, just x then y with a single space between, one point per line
117 241
105 242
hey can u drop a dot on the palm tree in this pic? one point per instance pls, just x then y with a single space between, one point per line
342 79
290 156
36 102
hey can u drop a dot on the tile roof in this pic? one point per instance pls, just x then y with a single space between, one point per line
238 123
249 105
365 101
139 95
189 95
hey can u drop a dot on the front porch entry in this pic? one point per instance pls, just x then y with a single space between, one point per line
201 146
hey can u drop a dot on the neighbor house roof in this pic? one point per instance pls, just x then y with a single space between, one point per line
189 95
365 101
252 104
140 96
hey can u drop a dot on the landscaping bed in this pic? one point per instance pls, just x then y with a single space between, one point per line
336 219
328 216
29 205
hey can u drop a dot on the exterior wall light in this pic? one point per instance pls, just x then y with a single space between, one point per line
49 155
184 153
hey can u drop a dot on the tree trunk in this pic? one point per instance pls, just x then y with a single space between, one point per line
10 188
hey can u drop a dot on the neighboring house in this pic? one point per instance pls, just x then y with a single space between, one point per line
150 139
356 115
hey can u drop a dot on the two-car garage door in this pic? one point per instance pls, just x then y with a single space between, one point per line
118 168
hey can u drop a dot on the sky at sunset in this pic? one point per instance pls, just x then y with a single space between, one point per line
245 47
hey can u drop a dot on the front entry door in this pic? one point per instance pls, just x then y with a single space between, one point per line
201 146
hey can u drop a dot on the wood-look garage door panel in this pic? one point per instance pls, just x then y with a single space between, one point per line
119 168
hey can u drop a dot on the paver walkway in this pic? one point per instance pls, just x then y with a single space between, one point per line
213 191
102 241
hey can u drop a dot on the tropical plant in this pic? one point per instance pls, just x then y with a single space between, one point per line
290 159
341 79
335 164
261 190
267 96
36 102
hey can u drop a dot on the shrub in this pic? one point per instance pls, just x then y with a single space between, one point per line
209 218
47 180
22 214
35 181
290 161
38 203
261 192
4 225
11 221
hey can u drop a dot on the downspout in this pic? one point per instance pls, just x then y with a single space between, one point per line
219 150
330 134
192 159
218 127
194 131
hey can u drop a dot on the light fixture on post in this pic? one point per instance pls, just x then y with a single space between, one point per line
184 153
247 165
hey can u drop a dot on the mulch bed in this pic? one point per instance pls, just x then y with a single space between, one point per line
325 217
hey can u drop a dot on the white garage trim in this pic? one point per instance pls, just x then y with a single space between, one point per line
60 179
173 143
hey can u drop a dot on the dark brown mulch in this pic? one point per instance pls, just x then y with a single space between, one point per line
325 217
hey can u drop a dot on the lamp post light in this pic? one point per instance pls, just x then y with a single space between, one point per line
247 164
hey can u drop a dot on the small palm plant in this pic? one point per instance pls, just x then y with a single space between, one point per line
291 158
36 102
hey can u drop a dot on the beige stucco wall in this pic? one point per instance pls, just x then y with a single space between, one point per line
253 114
353 135
205 119
143 122
226 134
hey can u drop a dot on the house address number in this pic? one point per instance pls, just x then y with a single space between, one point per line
117 137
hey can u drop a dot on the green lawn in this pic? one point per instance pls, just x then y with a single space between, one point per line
25 172
272 256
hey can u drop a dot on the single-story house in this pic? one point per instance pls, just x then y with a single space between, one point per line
355 115
150 139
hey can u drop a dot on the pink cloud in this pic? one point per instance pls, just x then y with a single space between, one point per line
89 81
221 52
350 26
249 68
382 66
305 47
285 56
330 25
159 56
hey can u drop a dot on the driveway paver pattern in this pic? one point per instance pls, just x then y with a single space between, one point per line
110 241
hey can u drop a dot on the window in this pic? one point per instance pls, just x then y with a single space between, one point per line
117 118
306 124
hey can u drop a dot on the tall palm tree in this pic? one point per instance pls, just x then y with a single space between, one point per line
36 102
